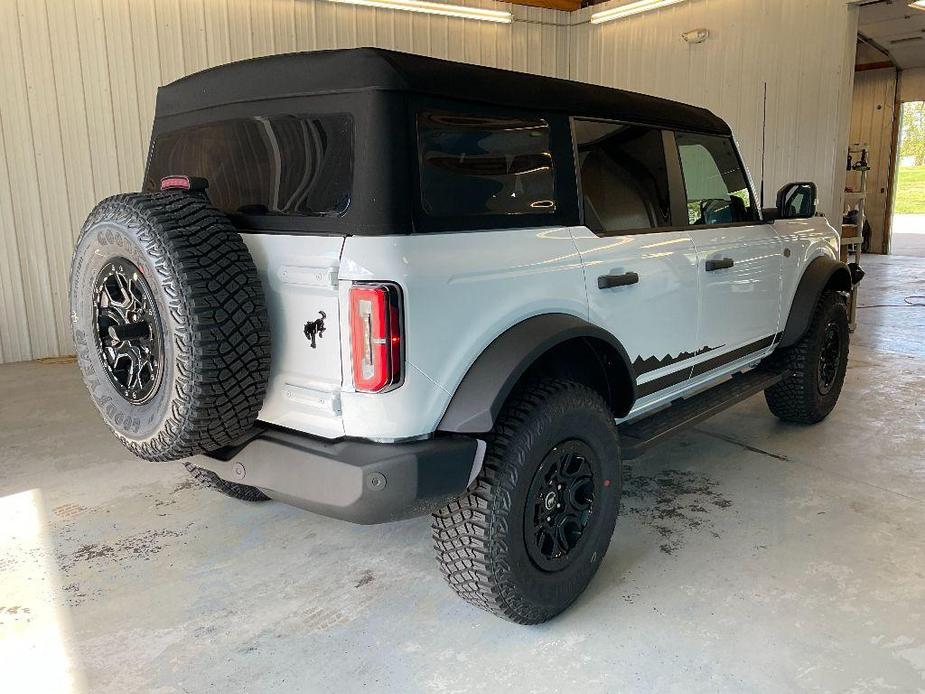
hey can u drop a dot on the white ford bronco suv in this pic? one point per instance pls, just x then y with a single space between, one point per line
377 286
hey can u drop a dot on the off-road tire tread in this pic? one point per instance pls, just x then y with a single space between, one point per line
793 399
214 293
474 565
209 479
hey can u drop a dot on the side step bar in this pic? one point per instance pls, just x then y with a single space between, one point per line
641 434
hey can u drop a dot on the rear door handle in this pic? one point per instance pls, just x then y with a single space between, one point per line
608 281
719 264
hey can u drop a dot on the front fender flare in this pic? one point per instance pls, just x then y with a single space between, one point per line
821 274
491 378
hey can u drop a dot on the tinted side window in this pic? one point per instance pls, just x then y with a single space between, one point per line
265 165
717 189
624 179
485 165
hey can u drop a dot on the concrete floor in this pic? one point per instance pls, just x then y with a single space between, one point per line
750 556
908 235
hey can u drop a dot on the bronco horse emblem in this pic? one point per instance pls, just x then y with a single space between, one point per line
315 328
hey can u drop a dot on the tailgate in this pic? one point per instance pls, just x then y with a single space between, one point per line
299 275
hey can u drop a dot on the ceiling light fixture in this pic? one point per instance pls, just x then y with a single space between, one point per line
917 5
629 10
438 8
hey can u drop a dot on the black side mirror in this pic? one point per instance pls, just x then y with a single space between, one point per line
797 201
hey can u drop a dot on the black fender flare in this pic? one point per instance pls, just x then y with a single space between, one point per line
821 274
483 390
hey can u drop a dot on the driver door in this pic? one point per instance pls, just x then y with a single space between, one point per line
739 258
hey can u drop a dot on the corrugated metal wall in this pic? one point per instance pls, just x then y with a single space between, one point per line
78 81
912 85
872 114
802 49
77 85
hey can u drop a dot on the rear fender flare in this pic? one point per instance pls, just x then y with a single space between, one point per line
489 381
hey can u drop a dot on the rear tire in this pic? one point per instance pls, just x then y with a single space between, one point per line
817 365
531 531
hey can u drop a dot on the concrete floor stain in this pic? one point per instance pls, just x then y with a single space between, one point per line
141 546
672 503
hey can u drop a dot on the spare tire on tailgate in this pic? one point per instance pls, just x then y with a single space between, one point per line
170 324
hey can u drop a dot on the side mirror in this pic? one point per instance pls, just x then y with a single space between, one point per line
797 201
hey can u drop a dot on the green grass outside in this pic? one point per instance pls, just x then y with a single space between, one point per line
910 190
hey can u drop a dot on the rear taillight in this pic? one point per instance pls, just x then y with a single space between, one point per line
376 336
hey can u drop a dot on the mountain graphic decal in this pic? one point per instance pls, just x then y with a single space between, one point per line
643 366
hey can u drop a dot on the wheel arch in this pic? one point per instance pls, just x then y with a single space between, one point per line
554 344
822 274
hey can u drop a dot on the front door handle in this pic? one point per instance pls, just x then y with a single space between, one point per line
608 281
719 264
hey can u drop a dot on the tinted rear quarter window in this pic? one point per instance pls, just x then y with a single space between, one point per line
472 165
624 176
294 165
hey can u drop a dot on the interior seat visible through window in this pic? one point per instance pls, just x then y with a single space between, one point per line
624 180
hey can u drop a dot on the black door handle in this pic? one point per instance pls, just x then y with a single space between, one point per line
608 281
721 264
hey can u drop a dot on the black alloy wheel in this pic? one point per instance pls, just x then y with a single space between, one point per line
562 503
129 336
829 358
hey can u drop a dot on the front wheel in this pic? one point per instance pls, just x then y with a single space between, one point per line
528 536
817 366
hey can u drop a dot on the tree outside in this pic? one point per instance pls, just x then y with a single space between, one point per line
910 188
912 134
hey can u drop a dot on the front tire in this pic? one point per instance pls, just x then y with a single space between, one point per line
525 540
817 365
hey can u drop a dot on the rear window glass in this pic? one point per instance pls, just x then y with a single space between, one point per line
485 165
299 165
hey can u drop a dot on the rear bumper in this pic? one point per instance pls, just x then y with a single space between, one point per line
356 481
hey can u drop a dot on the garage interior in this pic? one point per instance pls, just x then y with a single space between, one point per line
749 555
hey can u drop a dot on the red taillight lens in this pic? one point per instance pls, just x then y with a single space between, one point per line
376 336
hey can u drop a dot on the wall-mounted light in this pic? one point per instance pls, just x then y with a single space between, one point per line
696 35
629 10
438 8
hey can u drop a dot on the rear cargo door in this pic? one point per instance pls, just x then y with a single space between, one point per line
299 275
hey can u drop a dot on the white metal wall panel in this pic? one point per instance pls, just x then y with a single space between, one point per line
78 80
802 50
872 123
912 85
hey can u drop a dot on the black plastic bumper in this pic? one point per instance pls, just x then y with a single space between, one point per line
356 481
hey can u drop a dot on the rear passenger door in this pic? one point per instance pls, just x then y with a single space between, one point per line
640 272
738 257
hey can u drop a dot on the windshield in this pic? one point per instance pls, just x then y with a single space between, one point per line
292 165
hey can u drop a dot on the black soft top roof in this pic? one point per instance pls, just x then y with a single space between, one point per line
361 69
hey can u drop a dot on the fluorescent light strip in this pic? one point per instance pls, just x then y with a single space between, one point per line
629 10
917 5
438 8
